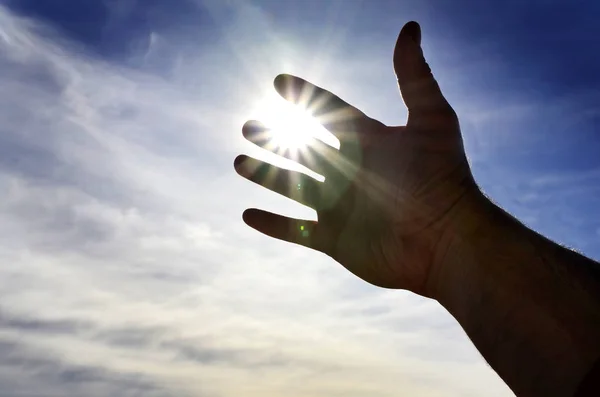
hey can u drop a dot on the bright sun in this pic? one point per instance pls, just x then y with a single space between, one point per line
291 126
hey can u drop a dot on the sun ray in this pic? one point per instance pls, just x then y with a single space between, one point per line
290 126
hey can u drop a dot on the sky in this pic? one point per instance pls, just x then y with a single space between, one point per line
126 267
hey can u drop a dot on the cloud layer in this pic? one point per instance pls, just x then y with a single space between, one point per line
126 269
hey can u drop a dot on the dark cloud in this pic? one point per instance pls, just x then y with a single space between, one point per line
132 337
46 327
198 350
203 353
25 371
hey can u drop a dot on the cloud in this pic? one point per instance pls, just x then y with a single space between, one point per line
126 268
27 372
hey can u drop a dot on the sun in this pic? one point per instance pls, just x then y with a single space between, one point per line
291 126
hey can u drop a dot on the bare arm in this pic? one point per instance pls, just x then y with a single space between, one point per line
530 306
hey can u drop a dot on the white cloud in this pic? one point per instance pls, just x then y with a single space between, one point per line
125 261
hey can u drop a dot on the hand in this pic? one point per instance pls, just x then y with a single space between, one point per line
390 193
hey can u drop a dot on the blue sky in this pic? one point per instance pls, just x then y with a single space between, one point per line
126 267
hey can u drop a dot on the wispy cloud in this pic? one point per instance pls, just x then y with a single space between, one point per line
126 268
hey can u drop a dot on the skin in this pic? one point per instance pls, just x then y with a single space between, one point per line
400 209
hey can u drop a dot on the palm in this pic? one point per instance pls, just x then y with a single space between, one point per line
387 189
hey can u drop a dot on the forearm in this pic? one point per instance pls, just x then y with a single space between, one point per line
530 306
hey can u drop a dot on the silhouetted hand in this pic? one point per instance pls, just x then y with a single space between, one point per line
390 193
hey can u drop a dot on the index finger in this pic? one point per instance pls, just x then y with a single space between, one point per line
336 115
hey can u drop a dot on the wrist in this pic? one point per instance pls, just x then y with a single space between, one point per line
527 304
465 230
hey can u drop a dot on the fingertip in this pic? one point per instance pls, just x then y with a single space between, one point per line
280 80
253 128
247 167
239 160
285 86
251 217
412 30
252 125
247 214
289 87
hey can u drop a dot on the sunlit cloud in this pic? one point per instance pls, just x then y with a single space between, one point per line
127 269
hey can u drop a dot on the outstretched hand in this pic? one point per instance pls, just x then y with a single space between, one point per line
386 207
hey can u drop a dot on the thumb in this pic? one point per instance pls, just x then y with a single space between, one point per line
418 87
